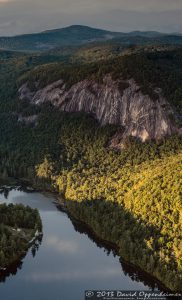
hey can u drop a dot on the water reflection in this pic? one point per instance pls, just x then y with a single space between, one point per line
70 260
17 265
13 269
134 273
5 189
62 245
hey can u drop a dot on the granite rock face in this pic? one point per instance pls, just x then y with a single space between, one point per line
118 102
30 120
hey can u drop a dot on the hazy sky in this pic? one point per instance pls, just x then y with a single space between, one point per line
26 16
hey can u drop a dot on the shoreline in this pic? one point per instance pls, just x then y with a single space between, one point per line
60 203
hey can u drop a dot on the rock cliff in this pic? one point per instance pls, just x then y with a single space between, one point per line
118 102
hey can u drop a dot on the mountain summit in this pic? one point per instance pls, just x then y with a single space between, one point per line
77 35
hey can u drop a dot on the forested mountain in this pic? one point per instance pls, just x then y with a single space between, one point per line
61 121
138 90
73 35
78 35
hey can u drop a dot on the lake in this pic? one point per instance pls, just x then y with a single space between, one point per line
68 261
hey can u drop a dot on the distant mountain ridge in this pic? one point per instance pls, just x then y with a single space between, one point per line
77 35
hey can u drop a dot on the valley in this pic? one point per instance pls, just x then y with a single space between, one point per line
105 135
68 255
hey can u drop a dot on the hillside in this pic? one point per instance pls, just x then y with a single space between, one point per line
138 91
78 35
69 36
60 129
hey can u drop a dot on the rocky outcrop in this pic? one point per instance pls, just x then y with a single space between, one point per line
30 120
118 102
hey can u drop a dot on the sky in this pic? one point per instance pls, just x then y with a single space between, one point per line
27 16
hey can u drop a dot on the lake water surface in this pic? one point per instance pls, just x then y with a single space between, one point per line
68 261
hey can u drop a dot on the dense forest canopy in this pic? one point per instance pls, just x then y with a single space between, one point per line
132 197
150 69
18 225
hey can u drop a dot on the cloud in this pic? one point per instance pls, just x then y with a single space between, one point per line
143 5
6 1
26 16
73 275
62 246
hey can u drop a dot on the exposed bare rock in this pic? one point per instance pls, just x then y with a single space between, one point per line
25 93
118 102
30 120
